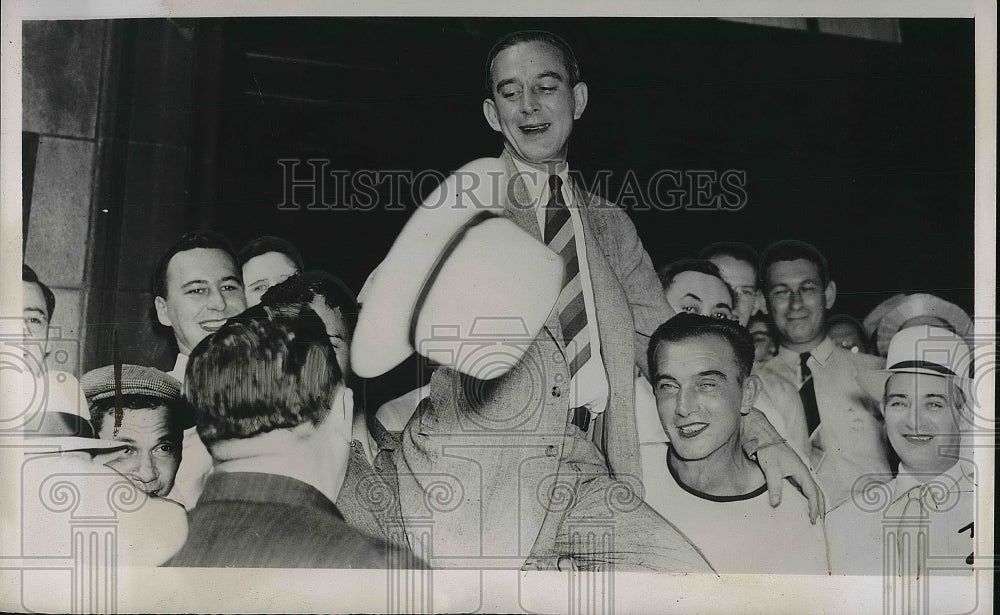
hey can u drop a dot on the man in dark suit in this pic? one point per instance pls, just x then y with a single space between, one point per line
276 417
514 464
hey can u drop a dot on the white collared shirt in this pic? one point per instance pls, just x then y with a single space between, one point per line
196 462
589 387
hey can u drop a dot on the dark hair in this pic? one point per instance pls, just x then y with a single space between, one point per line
190 241
180 413
28 275
837 319
269 243
668 272
532 36
686 326
734 249
303 288
262 371
847 319
772 331
792 250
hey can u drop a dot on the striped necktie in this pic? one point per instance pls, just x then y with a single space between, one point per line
570 306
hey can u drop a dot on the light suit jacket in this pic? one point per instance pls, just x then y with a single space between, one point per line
482 462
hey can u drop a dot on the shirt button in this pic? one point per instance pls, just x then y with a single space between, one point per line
556 392
551 450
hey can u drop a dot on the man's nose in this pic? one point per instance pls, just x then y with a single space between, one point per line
145 470
529 102
795 299
686 403
216 301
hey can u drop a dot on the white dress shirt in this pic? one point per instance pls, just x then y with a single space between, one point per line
196 462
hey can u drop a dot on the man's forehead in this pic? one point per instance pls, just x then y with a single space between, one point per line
696 354
533 57
34 299
740 271
924 384
799 270
199 263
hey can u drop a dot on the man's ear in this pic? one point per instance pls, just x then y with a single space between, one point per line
830 294
751 388
490 112
161 311
580 97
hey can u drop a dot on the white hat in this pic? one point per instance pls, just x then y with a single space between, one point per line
462 285
920 304
924 350
67 431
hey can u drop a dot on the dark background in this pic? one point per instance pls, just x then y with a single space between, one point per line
148 128
863 148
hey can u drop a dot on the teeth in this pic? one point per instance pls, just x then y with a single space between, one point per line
916 438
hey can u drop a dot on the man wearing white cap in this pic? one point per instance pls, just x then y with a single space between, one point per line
489 456
148 529
921 522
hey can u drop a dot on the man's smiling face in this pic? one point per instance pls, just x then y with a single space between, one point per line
534 104
699 395
203 290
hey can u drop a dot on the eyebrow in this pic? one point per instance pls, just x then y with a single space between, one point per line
896 396
542 75
714 372
936 396
658 377
228 278
692 295
725 305
257 282
39 310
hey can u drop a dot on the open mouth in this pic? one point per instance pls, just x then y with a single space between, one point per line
691 430
532 129
917 438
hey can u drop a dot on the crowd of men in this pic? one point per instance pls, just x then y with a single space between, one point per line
710 416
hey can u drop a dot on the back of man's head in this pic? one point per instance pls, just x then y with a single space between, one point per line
190 241
262 371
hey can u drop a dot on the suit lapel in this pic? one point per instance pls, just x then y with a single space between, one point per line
517 205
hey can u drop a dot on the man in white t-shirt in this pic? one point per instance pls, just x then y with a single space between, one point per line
714 494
